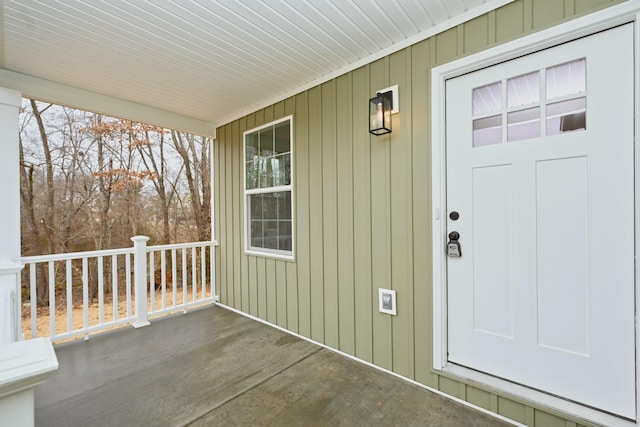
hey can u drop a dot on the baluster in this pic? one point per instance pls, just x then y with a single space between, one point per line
69 283
33 300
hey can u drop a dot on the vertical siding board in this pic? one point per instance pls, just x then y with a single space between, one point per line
301 187
569 7
491 28
451 387
447 45
252 279
278 110
476 34
330 215
281 293
479 397
237 212
268 114
292 297
262 287
421 238
401 217
259 118
544 419
244 264
510 409
584 6
510 21
315 214
547 12
380 224
363 291
270 282
344 165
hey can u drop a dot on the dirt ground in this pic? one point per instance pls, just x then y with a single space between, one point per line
61 321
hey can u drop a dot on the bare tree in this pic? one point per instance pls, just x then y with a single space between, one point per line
194 151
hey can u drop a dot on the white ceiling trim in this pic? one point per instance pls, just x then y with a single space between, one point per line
437 29
58 93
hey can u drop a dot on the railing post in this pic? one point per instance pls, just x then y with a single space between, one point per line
140 280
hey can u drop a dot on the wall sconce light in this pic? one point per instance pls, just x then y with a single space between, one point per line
380 109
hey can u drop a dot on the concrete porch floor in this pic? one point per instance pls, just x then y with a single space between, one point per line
214 367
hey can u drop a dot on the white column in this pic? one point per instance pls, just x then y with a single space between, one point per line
10 265
140 279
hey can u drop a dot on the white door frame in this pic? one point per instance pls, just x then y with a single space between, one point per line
580 27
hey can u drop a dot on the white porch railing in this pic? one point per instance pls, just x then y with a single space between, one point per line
75 294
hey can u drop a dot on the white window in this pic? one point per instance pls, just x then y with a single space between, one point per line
268 189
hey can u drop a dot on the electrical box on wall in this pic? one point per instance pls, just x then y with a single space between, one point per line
387 301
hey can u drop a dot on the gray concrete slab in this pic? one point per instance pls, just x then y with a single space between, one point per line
215 367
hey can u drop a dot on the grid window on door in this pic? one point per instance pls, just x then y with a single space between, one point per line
548 101
268 189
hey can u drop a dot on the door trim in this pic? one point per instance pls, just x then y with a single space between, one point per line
628 12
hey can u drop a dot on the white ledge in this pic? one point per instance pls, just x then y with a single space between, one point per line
25 364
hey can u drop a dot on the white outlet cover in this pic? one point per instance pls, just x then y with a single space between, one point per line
387 301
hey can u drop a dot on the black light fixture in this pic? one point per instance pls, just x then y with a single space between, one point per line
380 113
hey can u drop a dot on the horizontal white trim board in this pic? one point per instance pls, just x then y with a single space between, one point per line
57 93
371 365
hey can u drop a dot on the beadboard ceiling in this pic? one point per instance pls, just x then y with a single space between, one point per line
212 60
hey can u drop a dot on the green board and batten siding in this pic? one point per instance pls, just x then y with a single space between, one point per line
362 209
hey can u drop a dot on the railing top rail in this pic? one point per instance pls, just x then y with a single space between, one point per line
182 245
76 255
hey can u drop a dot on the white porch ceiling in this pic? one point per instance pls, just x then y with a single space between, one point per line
212 60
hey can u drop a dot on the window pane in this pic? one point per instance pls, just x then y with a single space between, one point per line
282 140
266 142
523 90
256 206
523 124
256 234
251 144
487 99
284 236
265 173
487 131
281 170
270 235
567 79
566 116
285 205
270 219
251 172
270 206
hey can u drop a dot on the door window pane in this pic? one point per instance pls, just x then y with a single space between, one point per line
523 124
566 116
487 131
567 79
487 99
523 90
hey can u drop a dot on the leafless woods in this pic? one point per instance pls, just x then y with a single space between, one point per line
90 182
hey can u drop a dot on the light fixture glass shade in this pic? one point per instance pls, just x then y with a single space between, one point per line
380 113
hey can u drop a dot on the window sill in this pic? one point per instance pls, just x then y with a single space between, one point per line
261 254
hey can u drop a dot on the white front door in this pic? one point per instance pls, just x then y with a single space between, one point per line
540 176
